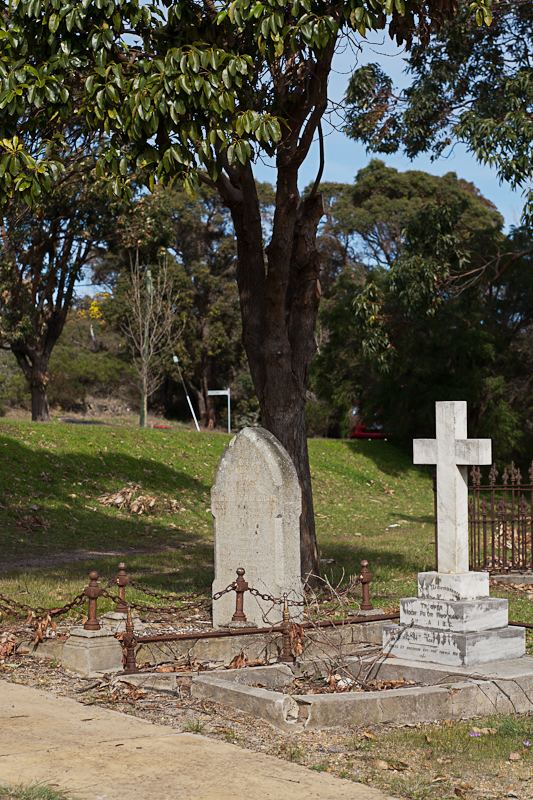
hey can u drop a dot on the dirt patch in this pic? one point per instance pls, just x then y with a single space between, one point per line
57 559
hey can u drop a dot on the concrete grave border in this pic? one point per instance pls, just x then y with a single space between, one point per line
500 687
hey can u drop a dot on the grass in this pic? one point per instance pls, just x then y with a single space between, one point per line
194 726
488 758
33 792
370 502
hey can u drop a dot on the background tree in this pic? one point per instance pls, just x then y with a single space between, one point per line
472 83
197 233
151 323
443 310
90 367
196 91
44 249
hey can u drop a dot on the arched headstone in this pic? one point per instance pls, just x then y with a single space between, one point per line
256 504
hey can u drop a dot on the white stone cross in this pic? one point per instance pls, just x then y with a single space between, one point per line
453 453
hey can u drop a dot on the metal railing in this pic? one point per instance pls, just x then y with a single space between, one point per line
500 517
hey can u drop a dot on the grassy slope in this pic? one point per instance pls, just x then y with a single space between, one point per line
52 475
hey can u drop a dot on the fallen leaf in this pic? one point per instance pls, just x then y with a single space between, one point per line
239 661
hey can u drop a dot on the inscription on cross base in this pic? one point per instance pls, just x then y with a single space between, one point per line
452 453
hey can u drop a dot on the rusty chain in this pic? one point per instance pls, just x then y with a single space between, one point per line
140 606
277 601
158 595
267 598
39 611
230 588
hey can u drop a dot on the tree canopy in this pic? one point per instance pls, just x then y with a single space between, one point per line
471 83
440 306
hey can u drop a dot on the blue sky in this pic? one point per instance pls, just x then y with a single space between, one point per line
345 157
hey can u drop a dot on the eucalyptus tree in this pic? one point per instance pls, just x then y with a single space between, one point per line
198 91
45 245
472 83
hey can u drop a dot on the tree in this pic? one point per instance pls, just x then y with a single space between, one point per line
44 249
472 83
444 309
197 91
197 233
151 324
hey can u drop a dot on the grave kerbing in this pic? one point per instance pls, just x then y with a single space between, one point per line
256 505
453 620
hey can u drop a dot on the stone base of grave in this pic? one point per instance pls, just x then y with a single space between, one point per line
458 616
91 652
115 622
232 625
452 648
453 621
453 585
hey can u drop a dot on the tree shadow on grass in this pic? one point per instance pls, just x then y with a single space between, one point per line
348 557
44 509
388 458
49 471
419 518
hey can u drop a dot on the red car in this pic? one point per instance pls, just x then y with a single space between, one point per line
361 431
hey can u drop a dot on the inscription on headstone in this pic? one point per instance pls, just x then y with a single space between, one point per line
256 504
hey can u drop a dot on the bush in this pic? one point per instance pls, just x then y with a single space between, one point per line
322 419
77 373
13 388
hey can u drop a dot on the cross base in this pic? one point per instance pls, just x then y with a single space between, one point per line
453 621
452 648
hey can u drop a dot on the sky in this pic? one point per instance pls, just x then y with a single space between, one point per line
344 157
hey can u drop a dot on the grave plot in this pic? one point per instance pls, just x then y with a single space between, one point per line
365 690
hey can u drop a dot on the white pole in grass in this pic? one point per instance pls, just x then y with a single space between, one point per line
176 361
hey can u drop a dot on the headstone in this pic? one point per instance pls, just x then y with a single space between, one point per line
256 504
453 620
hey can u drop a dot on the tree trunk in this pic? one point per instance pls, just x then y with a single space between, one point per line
39 402
34 365
206 408
279 308
288 424
143 412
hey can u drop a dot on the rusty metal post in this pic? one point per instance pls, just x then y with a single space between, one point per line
241 586
122 580
366 579
92 592
128 643
286 656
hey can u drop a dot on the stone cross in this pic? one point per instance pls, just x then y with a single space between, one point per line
256 503
453 453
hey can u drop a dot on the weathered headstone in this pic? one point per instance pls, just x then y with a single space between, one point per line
453 620
256 504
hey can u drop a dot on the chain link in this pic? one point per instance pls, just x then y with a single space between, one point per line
267 598
39 611
277 601
158 595
230 588
139 606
